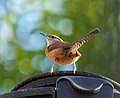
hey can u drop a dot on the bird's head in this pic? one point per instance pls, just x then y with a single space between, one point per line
51 38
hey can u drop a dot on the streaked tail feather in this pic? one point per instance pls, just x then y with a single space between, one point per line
90 35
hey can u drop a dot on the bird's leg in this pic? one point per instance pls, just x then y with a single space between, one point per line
51 69
74 70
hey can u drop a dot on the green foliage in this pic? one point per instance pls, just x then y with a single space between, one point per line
22 48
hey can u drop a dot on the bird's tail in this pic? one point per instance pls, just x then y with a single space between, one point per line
91 34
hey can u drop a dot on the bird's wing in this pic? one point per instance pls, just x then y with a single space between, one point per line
63 45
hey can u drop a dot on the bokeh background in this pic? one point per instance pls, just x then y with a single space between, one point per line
22 48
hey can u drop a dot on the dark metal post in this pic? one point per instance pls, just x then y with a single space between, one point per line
65 84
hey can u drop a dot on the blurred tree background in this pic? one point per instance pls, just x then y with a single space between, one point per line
22 48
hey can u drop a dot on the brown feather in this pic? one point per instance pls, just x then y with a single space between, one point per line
58 44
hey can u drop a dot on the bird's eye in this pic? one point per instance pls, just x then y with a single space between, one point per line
53 37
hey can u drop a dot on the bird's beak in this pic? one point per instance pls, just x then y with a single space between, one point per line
43 34
46 36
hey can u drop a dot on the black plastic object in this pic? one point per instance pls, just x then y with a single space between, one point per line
65 84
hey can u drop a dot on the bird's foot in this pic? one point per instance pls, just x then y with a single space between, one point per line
51 69
74 70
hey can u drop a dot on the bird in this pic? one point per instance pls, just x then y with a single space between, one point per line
63 53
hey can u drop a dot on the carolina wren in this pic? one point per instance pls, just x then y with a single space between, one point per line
63 53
